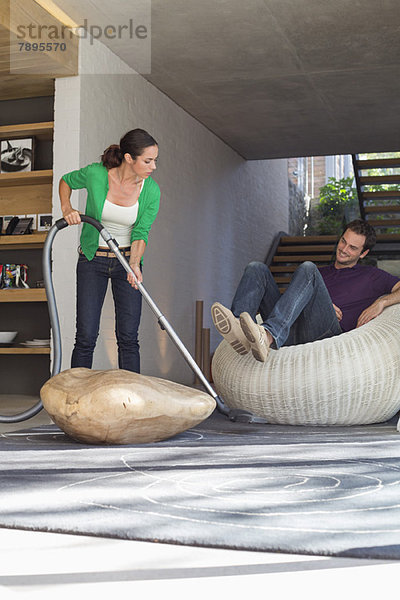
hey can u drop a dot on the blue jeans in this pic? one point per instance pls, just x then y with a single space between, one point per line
92 282
304 313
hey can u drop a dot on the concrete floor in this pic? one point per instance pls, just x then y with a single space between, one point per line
48 565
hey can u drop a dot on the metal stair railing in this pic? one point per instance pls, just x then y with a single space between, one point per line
358 185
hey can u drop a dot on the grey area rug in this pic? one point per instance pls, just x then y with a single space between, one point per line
314 490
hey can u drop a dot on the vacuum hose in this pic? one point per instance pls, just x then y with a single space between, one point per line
55 323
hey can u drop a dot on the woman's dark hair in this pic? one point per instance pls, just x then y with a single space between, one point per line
363 228
133 143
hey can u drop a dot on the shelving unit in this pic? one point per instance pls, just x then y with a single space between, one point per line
25 310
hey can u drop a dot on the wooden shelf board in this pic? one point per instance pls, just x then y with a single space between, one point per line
24 350
43 131
23 295
20 242
26 178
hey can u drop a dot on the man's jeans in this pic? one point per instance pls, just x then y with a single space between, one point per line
92 282
304 313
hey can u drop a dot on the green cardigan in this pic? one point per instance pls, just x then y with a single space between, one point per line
94 178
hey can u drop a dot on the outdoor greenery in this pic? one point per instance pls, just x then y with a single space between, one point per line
338 200
338 203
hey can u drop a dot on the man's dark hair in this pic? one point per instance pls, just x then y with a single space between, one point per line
363 228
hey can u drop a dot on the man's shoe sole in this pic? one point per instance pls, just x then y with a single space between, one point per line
221 320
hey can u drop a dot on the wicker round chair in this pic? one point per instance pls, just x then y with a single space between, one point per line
350 379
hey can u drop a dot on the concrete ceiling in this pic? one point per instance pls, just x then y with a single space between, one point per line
275 78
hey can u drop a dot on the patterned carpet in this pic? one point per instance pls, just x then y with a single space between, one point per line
314 490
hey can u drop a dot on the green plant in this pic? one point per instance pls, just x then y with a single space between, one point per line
338 203
336 194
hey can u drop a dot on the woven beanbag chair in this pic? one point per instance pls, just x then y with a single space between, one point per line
350 379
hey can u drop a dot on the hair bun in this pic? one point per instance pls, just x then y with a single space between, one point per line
112 156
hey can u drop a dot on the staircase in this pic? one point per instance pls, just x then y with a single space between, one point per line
289 251
380 207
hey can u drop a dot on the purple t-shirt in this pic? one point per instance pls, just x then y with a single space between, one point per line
354 289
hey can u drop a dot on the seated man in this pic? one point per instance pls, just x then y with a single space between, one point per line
318 303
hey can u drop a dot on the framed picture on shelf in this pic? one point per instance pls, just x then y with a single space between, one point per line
44 222
16 156
6 221
34 221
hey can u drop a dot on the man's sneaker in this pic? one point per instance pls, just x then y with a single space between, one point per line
257 337
229 327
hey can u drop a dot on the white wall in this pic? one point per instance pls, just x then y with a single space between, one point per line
66 158
217 212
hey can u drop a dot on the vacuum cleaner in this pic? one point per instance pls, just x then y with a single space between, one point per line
55 325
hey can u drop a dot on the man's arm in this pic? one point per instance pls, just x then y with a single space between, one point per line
377 307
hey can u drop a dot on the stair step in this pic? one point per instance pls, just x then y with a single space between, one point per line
283 269
302 258
383 248
306 248
388 237
308 239
381 194
383 209
378 163
380 248
380 179
299 239
384 222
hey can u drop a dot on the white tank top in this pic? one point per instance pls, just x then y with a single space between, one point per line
119 221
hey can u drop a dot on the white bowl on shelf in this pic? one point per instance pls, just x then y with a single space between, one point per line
7 337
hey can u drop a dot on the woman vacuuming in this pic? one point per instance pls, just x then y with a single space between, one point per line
123 196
